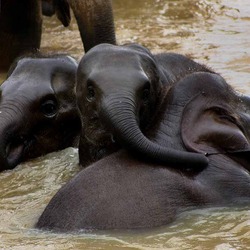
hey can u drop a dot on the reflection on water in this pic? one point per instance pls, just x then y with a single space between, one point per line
214 32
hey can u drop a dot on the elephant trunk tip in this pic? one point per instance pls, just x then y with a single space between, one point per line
12 153
155 153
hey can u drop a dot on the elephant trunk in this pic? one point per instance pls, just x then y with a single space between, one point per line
12 143
95 22
120 115
4 148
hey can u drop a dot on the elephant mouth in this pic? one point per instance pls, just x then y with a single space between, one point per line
15 150
105 146
102 152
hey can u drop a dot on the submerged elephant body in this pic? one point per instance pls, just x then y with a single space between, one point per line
119 192
201 113
21 24
38 109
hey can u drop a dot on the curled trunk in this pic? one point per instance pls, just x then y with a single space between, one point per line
120 116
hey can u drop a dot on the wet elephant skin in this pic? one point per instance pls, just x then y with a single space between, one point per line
201 113
119 90
21 24
38 112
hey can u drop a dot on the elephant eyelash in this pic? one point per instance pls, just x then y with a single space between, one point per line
228 118
90 91
146 95
146 92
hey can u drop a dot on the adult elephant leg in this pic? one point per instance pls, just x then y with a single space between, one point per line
38 113
20 29
95 21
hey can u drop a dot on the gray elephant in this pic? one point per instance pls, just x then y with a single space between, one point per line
201 114
21 24
60 8
38 112
119 93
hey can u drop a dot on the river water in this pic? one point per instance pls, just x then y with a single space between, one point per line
214 32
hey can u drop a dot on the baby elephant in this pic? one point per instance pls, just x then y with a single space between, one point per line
119 94
38 112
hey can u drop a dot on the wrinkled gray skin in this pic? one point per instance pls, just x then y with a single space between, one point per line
119 90
201 113
38 112
21 24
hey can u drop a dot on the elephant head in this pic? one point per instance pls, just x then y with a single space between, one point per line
221 118
209 117
38 111
21 24
118 92
202 114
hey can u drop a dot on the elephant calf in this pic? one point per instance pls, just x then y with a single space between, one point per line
119 93
201 113
38 112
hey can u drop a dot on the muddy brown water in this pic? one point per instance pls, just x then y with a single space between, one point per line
214 32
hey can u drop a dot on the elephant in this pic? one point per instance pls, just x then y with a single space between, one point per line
119 90
59 7
38 112
21 24
202 114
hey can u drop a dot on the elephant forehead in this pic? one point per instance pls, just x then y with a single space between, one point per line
26 96
33 76
26 84
111 77
112 66
113 57
44 67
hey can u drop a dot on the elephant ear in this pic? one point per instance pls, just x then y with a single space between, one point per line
63 11
211 128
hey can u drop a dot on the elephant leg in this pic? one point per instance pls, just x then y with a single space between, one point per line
95 21
20 29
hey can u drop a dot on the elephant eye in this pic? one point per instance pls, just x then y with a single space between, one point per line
49 108
90 92
146 94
